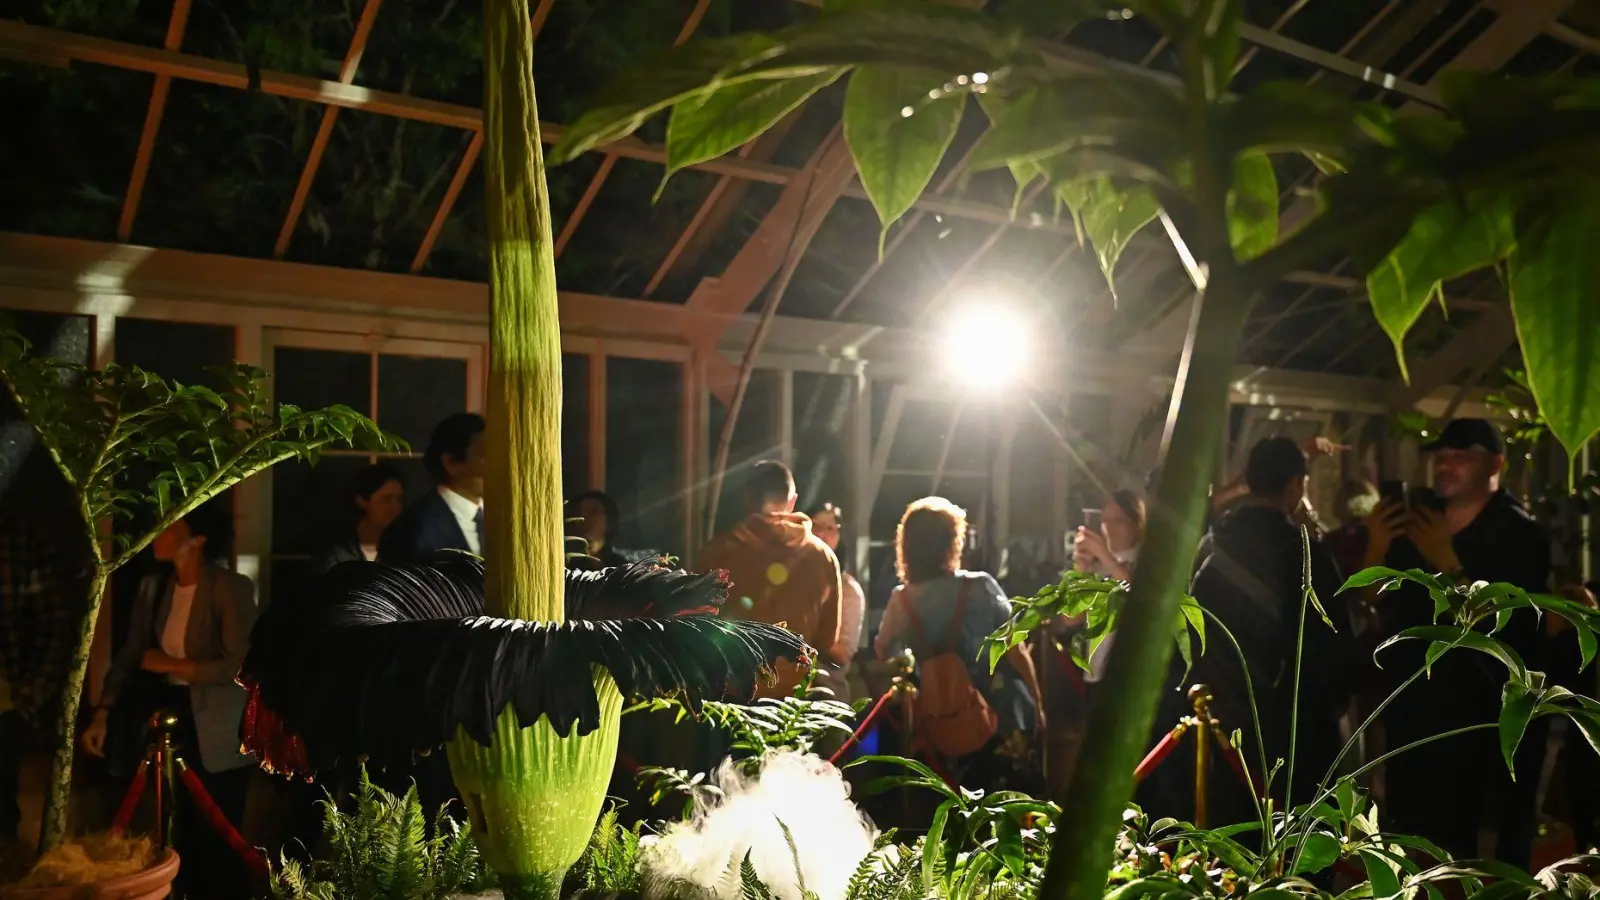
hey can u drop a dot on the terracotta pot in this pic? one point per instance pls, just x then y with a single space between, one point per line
151 883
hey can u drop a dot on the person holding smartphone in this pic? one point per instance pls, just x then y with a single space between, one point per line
1468 529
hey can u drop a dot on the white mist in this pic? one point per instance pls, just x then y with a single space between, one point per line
806 793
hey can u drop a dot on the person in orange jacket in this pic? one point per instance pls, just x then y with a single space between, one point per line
781 572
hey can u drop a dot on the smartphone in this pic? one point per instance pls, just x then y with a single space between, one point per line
1091 520
1424 498
1394 492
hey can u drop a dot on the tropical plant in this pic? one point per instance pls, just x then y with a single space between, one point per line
381 850
138 450
517 666
610 864
797 723
1502 176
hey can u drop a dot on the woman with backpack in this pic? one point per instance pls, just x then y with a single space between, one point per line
975 723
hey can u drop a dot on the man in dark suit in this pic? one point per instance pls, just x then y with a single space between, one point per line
451 516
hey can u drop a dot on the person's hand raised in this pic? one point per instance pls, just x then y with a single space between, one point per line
1386 522
1428 531
1089 549
1321 446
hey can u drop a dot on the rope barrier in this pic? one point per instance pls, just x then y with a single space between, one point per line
1159 753
162 757
865 724
130 800
219 822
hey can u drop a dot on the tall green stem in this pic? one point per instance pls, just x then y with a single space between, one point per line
522 516
532 795
53 827
1119 722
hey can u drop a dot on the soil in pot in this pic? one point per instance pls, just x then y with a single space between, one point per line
99 867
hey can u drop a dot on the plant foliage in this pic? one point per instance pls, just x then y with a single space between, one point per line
103 428
381 850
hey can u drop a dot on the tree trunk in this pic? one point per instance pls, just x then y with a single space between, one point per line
1119 722
58 788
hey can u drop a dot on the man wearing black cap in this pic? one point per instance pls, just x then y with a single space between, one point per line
1469 530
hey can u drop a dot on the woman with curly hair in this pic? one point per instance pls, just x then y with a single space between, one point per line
940 608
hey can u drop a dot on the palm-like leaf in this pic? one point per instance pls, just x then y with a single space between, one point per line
382 662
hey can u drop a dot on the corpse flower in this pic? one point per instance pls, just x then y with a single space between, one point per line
517 666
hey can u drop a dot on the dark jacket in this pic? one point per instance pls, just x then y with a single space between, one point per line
1503 544
428 527
347 549
1250 568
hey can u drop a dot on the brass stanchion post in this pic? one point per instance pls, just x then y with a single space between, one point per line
1200 698
163 723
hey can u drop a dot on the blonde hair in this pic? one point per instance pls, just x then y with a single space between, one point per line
928 543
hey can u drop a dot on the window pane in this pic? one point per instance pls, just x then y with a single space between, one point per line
574 424
821 438
416 393
755 438
643 465
310 503
183 351
312 379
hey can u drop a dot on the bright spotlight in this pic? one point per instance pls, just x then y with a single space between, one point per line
985 347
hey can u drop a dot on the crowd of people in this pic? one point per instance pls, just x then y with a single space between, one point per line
190 622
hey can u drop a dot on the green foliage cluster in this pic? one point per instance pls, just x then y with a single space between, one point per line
1099 601
381 850
610 864
102 428
797 723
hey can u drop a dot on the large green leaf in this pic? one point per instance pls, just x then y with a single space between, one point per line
1110 216
1517 703
1447 240
715 123
1447 636
1138 119
1320 851
897 134
682 74
896 32
1289 117
1555 294
1253 206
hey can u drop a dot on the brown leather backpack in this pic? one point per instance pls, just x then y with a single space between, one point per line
951 716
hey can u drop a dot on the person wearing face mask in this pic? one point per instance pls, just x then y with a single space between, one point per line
377 498
187 635
1470 529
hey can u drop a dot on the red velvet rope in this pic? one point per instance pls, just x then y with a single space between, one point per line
1157 755
202 799
862 729
130 800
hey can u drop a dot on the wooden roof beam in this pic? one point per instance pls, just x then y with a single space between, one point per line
330 115
609 162
541 14
152 124
52 43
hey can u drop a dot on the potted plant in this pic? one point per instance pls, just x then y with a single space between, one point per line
134 447
1500 177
